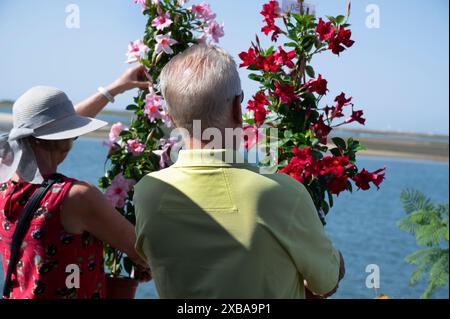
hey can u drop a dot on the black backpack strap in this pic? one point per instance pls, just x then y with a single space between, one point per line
23 225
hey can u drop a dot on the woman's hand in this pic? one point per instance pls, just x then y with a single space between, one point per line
133 78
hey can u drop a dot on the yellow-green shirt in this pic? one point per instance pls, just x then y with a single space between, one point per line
210 229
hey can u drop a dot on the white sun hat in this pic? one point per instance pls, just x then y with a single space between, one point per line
45 113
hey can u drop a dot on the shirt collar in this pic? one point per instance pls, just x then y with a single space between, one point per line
209 157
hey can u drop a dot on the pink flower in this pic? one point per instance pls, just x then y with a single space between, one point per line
164 43
203 11
163 21
135 147
215 30
135 51
153 105
164 152
114 133
118 191
167 120
143 2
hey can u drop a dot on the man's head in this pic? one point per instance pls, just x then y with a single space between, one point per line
203 83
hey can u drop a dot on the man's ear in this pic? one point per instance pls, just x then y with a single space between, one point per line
237 110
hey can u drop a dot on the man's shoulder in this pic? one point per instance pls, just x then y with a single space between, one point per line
282 182
154 180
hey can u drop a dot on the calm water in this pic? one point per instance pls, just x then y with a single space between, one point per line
362 225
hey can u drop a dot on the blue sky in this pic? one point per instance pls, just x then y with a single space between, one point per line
398 73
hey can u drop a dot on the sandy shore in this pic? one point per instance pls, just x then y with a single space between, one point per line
384 144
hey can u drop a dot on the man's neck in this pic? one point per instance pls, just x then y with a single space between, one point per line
194 144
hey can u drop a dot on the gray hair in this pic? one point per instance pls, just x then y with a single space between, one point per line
200 84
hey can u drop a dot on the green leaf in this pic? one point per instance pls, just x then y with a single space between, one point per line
270 50
414 201
339 142
339 19
350 187
128 265
288 134
330 198
310 71
293 35
250 121
132 107
331 18
308 42
256 77
359 147
336 152
316 155
291 45
325 207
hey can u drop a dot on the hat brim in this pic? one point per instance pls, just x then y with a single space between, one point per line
69 127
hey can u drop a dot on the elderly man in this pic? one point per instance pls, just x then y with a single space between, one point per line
214 229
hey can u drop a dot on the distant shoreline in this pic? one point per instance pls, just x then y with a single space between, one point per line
379 143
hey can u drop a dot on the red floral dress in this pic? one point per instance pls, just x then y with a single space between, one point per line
47 249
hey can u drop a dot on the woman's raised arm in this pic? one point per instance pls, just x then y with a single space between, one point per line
131 79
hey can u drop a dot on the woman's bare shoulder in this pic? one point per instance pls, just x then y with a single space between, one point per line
82 191
80 203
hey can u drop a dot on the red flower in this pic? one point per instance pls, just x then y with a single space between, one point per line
258 106
340 41
325 30
301 165
319 86
322 130
333 168
304 153
342 100
267 63
285 93
330 162
363 179
271 12
248 58
345 37
357 116
337 111
333 112
271 27
338 181
285 58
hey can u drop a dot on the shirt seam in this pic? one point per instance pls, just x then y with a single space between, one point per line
230 196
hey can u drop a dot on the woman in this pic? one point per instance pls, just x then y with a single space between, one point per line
73 218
